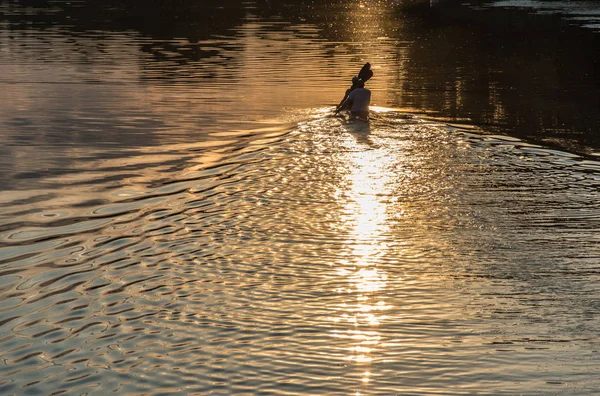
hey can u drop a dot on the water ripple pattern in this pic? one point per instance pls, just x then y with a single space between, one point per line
181 213
330 257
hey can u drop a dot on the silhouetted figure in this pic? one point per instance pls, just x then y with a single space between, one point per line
348 91
364 75
358 102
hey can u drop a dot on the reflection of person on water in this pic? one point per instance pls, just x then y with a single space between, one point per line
358 102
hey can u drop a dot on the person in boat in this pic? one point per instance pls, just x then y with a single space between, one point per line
358 102
348 91
364 75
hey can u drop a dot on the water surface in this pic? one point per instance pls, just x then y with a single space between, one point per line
181 213
333 257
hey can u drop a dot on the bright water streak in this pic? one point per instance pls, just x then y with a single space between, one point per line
161 234
333 257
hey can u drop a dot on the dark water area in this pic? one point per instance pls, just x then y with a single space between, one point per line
182 213
532 75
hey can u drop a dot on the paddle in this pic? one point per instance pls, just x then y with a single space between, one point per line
365 73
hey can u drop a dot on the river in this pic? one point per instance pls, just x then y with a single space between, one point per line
182 213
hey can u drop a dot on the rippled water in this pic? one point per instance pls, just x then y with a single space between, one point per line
331 257
180 225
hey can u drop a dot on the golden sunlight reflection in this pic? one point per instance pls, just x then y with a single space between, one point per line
365 217
366 212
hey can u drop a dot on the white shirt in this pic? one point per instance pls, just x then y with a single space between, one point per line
360 99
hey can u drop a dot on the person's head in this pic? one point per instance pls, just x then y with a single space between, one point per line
354 80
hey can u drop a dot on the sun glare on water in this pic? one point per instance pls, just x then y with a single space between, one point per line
361 303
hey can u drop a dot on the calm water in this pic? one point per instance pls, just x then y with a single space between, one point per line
181 213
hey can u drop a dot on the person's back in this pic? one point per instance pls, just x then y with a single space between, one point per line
359 101
362 99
